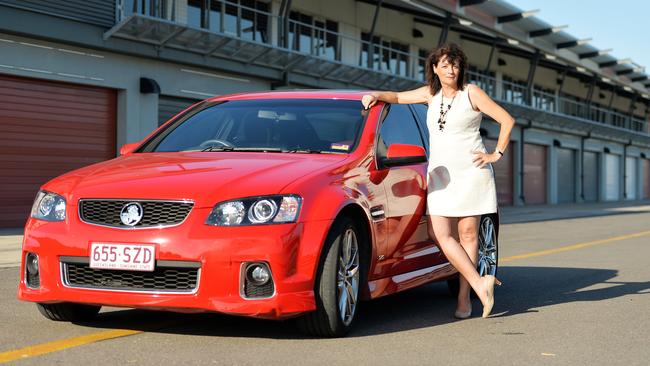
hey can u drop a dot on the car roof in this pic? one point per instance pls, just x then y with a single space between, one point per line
295 94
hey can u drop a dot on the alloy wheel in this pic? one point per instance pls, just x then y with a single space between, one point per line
348 277
487 248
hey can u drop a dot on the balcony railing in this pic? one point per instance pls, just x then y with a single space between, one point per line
393 68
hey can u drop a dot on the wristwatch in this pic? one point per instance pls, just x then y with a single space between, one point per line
499 151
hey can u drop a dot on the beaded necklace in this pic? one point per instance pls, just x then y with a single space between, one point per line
443 112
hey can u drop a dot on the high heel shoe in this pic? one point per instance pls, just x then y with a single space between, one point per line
489 303
463 315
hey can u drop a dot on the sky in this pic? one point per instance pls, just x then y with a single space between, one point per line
622 25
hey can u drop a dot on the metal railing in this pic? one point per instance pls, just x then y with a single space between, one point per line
257 25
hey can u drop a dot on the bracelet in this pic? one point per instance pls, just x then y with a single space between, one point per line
499 151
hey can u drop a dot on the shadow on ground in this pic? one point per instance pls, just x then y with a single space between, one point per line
525 289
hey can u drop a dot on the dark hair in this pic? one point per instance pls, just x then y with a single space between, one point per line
454 55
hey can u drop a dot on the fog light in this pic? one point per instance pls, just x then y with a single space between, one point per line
258 274
31 263
32 277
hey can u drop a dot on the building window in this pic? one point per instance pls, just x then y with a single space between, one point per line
514 91
314 36
421 72
486 81
246 19
544 99
389 56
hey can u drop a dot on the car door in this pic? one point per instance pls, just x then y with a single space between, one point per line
408 247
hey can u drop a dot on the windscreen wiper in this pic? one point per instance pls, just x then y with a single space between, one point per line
244 149
303 151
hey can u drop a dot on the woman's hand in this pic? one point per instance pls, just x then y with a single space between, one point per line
368 101
482 159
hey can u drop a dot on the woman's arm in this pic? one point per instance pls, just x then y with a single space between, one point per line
419 95
485 104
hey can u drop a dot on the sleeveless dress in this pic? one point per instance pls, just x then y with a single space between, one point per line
455 186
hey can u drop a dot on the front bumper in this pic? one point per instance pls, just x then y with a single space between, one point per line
291 251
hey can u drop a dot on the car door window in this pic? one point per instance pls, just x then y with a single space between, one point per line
421 117
399 127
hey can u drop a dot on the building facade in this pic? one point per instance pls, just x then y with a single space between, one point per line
80 78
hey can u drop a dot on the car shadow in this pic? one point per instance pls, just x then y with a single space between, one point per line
525 289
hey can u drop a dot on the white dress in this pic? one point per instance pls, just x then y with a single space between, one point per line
456 187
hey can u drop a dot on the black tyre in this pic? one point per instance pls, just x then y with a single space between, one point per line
488 252
68 311
338 284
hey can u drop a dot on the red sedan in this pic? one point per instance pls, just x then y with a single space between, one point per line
270 205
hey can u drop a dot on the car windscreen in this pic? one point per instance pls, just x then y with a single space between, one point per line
283 125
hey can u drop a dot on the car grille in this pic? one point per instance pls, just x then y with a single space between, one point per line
154 213
165 278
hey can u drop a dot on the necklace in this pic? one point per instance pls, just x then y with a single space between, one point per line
443 113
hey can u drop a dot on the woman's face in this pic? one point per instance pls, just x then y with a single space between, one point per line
447 71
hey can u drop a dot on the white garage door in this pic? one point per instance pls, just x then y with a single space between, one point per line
612 177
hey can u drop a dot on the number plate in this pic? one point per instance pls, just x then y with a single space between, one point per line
132 257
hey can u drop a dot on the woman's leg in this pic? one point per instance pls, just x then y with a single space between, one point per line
442 228
468 237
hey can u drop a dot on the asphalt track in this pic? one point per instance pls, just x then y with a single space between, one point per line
575 292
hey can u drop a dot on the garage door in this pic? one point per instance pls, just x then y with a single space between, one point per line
168 107
48 128
646 178
566 177
630 178
612 177
590 183
502 173
534 174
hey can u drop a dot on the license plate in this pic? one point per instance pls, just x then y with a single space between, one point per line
132 257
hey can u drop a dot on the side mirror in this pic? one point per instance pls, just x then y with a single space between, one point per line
404 154
128 148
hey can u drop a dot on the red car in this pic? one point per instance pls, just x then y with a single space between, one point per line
270 205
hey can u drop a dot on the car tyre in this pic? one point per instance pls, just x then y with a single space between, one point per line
341 272
68 311
488 252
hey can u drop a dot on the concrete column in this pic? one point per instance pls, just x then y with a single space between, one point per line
499 80
274 29
350 49
551 179
148 116
517 182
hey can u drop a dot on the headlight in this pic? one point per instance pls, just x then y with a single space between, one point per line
256 210
49 207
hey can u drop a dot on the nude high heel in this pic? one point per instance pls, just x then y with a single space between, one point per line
489 303
463 315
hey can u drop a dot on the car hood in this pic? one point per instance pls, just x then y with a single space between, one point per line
205 178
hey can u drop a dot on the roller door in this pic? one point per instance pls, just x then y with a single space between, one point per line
168 107
566 177
502 172
646 178
590 183
534 174
630 178
46 129
612 177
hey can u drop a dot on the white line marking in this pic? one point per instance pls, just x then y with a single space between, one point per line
36 45
36 70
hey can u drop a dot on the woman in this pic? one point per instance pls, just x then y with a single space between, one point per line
460 178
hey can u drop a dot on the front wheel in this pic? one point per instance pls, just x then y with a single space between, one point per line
337 288
68 311
488 252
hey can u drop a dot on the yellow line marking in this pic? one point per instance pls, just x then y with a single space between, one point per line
44 348
574 246
41 349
